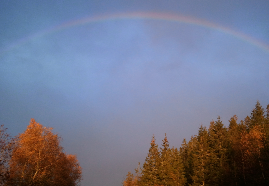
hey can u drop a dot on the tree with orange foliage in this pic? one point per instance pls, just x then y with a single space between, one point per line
38 159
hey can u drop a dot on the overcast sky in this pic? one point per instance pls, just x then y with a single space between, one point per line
128 72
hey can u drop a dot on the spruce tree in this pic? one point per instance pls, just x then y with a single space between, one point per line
165 166
177 174
150 172
234 156
187 156
200 158
218 144
171 168
257 116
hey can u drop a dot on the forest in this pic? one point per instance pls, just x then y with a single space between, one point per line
237 155
35 158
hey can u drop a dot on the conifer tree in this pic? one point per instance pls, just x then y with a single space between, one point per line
187 155
201 158
234 156
165 160
171 168
177 174
218 144
257 116
251 145
259 123
237 147
150 172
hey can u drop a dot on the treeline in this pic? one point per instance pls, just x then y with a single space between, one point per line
35 158
235 155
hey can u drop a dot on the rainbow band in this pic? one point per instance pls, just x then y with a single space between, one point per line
141 15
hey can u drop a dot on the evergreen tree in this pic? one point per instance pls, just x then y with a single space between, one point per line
218 144
233 174
251 145
201 158
260 125
257 116
150 172
165 166
177 174
187 155
171 168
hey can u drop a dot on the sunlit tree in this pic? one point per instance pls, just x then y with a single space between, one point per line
39 160
150 171
201 155
257 116
218 143
171 171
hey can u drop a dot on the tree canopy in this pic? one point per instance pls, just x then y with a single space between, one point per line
37 159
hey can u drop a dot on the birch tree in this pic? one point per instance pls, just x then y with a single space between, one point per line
38 159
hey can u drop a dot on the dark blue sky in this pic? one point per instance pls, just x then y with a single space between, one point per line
107 86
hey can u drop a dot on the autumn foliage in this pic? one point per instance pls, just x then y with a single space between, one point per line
38 160
237 155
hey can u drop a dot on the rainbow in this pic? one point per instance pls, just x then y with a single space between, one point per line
145 16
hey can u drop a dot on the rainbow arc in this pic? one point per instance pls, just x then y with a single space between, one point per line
145 16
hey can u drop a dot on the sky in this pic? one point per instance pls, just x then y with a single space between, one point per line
108 75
